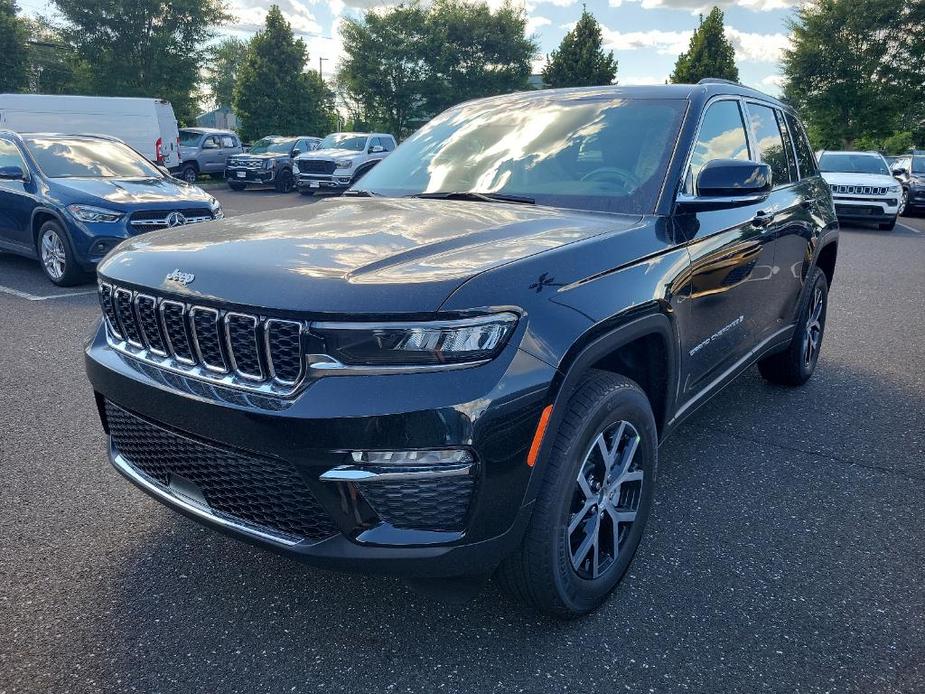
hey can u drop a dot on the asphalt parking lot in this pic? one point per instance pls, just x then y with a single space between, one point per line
785 554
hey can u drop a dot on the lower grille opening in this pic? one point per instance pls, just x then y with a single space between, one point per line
435 504
263 492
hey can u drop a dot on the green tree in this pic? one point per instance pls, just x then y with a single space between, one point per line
222 71
13 37
898 143
710 53
151 48
580 61
406 64
855 68
274 93
51 63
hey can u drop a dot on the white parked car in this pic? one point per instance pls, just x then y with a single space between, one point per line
148 126
340 160
863 188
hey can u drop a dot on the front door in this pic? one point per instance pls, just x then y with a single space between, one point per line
731 261
17 200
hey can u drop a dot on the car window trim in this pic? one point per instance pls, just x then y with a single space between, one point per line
703 112
774 108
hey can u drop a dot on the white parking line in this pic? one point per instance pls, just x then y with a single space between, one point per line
908 228
36 297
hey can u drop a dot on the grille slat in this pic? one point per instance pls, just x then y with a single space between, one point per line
146 307
207 339
858 190
437 504
122 299
241 331
268 493
321 166
241 350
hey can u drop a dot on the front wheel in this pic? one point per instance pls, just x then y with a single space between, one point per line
796 364
284 182
903 203
595 498
57 257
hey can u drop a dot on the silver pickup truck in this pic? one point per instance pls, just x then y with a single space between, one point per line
340 160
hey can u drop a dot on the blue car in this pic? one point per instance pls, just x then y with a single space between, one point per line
68 200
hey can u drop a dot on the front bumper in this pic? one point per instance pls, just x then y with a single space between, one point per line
916 197
866 208
491 410
335 181
241 174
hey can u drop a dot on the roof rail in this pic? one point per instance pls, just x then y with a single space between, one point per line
718 80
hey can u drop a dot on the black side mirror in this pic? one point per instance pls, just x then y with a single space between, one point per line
725 183
12 173
294 153
899 172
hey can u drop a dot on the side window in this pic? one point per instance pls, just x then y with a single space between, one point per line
722 136
770 142
10 156
228 141
805 156
788 146
388 143
374 142
210 142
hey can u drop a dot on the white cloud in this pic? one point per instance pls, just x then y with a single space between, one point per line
698 6
250 15
534 23
640 79
557 3
757 48
663 42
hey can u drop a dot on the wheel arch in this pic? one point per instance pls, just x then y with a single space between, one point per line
40 215
639 347
825 260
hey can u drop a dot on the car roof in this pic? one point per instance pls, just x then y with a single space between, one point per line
703 90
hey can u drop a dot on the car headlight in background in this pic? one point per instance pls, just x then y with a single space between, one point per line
216 208
88 213
269 164
895 189
426 343
343 164
295 167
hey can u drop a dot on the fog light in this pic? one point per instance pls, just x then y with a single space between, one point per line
444 457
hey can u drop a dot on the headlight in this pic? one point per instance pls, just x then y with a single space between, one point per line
88 213
269 163
295 167
432 343
343 164
216 208
895 189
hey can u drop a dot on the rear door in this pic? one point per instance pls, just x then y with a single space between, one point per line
211 158
169 133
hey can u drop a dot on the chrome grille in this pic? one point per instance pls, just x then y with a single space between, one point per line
859 190
247 163
229 348
164 219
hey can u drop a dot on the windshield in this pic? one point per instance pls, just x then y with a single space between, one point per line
594 153
853 163
189 138
80 158
344 141
272 146
918 164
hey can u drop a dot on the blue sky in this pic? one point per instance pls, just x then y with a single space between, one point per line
645 35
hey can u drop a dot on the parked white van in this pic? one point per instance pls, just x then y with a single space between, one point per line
146 125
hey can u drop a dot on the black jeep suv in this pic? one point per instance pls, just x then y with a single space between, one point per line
467 365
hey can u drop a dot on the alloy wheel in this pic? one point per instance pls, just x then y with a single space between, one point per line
813 336
903 201
605 501
54 257
189 174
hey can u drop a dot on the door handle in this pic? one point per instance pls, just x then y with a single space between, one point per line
762 218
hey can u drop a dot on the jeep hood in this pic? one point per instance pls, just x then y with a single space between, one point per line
858 179
350 255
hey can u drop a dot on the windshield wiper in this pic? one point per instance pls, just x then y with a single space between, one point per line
479 197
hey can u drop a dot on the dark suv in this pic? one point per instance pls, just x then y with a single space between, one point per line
467 365
268 162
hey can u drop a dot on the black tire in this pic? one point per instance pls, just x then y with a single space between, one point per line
234 185
542 571
284 182
792 367
56 256
306 192
189 173
904 210
888 226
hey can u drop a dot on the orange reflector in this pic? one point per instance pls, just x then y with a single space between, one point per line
538 436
